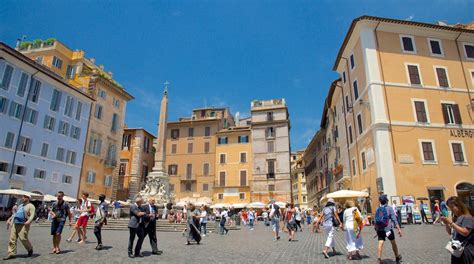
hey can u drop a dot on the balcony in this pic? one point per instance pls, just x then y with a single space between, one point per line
270 175
217 184
188 177
110 163
268 103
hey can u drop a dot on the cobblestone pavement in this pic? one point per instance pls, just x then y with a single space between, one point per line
419 244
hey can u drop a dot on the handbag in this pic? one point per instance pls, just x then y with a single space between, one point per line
335 222
455 247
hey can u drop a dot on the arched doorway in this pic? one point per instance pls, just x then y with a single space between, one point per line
465 191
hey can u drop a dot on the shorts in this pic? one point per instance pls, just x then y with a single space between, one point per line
57 227
291 226
275 224
82 221
382 235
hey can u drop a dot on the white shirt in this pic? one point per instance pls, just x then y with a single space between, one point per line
203 217
85 204
224 214
349 217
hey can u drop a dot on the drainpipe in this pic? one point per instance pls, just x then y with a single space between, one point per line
21 125
463 73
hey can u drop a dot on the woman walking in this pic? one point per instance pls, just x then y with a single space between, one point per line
352 224
192 222
203 220
460 228
76 212
437 213
330 221
290 221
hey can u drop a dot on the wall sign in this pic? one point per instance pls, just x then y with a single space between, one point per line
461 133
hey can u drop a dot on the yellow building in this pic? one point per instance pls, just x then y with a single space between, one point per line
408 93
136 161
298 180
191 152
99 167
233 176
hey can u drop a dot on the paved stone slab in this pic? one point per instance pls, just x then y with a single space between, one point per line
419 244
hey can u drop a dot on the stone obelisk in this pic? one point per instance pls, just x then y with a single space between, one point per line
157 185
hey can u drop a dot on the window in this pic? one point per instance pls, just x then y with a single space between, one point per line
205 187
243 139
108 180
344 77
222 158
19 170
428 152
44 150
31 116
354 167
3 105
39 59
9 140
206 147
63 128
469 49
222 178
111 157
102 94
435 47
173 169
55 176
90 177
242 196
49 122
35 91
25 144
270 132
271 169
171 187
191 132
359 124
442 77
269 116
190 148
70 71
123 169
352 61
3 166
364 162
174 133
420 111
22 85
205 169
271 187
116 103
243 157
451 114
189 170
71 157
222 140
39 174
356 90
16 110
60 154
408 44
98 111
220 196
348 107
75 132
57 62
115 122
270 146
146 145
7 77
67 179
413 74
126 140
457 151
95 144
173 148
69 106
188 187
55 100
207 131
350 135
78 111
243 178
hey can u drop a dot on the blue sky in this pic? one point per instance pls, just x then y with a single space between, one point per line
215 53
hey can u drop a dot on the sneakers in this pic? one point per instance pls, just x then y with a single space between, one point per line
398 259
30 252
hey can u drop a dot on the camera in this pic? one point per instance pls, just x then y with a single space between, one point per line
456 245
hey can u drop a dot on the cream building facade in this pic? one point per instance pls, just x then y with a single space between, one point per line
299 192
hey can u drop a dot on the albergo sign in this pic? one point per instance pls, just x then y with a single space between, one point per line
461 133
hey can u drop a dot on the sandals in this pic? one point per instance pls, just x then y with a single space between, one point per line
325 255
58 251
54 251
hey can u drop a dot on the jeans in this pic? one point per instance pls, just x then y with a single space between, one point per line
276 226
204 228
222 227
98 232
251 223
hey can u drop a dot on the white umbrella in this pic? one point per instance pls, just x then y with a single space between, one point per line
341 194
281 204
16 192
256 205
219 206
239 205
69 199
49 198
180 204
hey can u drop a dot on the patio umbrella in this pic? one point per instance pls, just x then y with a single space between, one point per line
49 198
219 206
69 199
347 194
16 192
281 204
180 204
240 205
256 205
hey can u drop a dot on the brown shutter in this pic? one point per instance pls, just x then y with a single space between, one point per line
442 77
445 113
414 74
457 114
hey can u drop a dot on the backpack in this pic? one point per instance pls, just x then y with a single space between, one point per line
20 215
382 218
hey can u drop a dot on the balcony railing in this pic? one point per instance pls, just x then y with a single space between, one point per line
110 163
188 177
271 175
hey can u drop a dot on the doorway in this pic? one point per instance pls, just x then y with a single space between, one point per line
435 194
465 191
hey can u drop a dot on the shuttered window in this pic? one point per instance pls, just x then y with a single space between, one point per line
421 112
243 178
428 154
222 178
414 74
442 77
451 114
457 152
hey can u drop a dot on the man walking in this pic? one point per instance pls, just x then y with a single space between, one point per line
21 221
116 212
275 218
424 219
224 216
99 220
150 229
385 220
83 218
59 212
136 227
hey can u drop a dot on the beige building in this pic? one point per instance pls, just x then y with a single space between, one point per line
315 170
407 90
99 168
191 152
299 192
136 161
233 166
